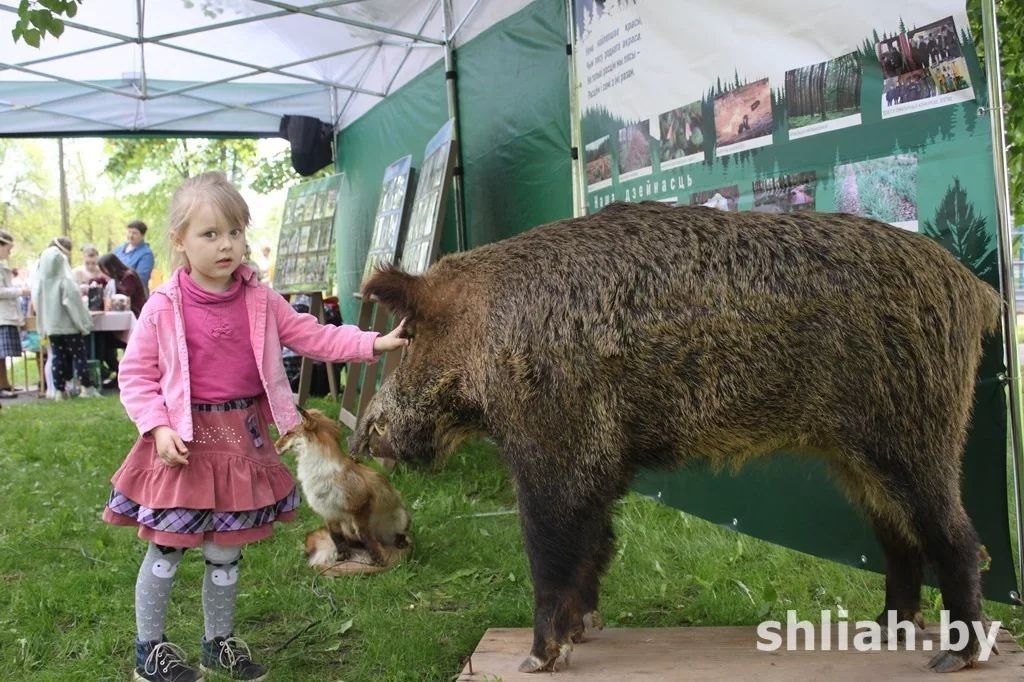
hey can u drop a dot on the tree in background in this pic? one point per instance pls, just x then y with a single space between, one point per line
1010 17
29 201
147 171
36 18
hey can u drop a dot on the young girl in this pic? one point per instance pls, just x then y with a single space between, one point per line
10 314
201 378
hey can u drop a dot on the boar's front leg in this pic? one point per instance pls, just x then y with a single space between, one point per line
568 536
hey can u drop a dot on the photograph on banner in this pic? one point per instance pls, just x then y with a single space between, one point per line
743 118
884 189
635 151
923 68
681 136
823 96
785 194
599 163
722 198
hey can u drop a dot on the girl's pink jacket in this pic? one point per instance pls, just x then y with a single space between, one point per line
153 376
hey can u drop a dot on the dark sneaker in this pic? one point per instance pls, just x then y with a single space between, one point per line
230 656
162 662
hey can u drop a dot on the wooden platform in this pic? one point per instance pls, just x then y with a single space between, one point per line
720 653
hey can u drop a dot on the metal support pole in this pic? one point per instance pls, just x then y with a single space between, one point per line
990 35
450 74
579 194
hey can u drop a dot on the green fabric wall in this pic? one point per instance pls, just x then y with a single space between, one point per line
513 86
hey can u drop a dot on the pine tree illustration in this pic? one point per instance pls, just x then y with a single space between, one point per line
963 233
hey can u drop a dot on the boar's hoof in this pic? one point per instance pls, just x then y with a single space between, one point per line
533 664
915 619
593 621
948 662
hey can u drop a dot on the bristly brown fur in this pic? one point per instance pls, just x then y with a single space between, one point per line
646 335
394 289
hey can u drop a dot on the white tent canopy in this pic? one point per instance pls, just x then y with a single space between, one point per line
195 67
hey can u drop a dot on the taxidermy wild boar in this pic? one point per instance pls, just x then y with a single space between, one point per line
652 336
359 505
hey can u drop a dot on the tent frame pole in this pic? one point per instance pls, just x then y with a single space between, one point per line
990 36
450 77
579 195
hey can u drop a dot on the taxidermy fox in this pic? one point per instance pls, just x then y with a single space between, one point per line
359 505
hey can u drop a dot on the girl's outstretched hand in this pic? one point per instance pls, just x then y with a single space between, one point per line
393 340
169 446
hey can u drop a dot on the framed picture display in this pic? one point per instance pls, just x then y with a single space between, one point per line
305 248
424 232
390 223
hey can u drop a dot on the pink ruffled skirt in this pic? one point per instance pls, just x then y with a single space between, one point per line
231 492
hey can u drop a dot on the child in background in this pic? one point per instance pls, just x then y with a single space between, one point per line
11 318
89 271
202 377
62 317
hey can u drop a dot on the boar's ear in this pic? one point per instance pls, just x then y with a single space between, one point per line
395 289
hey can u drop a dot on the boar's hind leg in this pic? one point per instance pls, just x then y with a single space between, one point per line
890 519
929 503
904 565
589 577
569 543
952 548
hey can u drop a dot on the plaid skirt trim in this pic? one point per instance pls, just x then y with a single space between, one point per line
236 404
10 341
197 521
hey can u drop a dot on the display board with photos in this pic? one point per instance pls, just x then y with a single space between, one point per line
389 225
424 232
305 248
876 108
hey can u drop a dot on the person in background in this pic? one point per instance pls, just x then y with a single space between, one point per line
266 263
136 254
122 280
11 317
63 318
89 271
125 281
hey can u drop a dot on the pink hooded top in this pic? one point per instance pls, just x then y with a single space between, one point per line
154 375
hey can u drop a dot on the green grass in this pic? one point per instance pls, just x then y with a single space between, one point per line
67 579
20 369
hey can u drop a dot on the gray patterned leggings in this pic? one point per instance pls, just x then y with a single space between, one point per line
69 358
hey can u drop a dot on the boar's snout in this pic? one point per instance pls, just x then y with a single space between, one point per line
370 440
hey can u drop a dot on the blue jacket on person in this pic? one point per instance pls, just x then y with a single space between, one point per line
139 259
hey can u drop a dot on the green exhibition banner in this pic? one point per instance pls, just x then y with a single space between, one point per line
876 108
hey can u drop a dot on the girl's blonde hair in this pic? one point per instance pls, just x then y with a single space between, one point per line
214 188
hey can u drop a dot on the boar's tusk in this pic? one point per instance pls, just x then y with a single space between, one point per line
381 430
